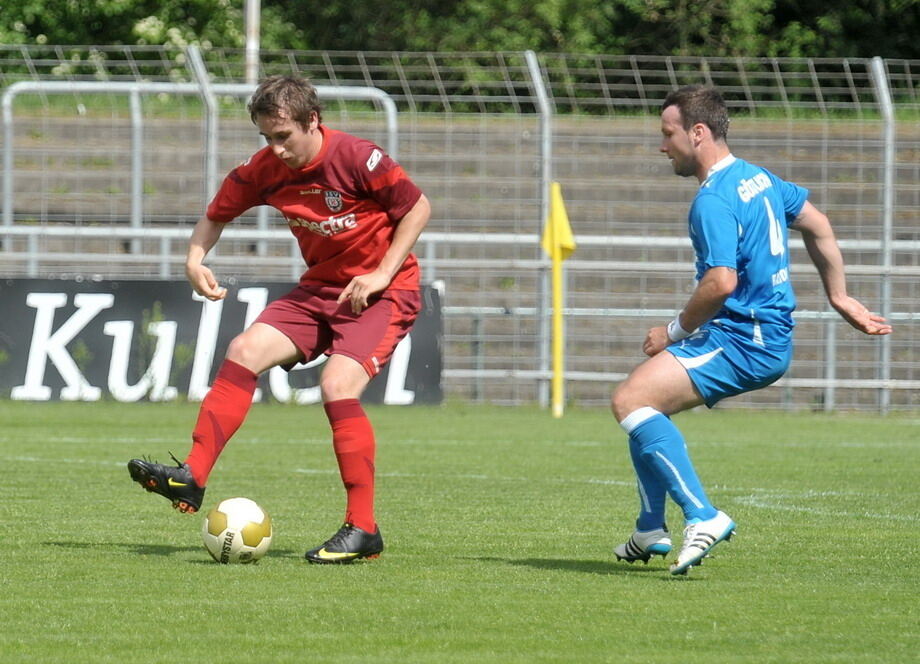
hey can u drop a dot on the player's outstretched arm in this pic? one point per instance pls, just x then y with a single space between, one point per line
203 281
824 252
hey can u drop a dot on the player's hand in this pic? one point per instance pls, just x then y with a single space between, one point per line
656 340
361 288
204 283
856 314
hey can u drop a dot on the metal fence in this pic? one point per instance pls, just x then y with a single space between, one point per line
478 135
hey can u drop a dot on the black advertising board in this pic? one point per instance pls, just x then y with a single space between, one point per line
155 340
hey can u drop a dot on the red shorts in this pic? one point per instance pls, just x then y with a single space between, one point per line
310 317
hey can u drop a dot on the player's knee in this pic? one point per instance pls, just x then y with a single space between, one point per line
334 386
242 350
618 402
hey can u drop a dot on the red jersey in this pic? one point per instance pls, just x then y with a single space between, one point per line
343 207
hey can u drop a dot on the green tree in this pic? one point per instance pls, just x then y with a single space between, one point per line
105 22
714 28
858 28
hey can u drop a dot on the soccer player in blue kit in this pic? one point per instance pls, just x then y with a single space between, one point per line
734 334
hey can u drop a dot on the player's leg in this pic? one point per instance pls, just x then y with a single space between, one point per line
226 405
723 360
361 348
283 333
222 412
652 491
651 537
342 383
655 389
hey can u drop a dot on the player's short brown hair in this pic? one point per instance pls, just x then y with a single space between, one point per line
700 104
292 96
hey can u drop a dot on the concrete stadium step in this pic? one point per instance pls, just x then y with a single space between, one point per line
482 176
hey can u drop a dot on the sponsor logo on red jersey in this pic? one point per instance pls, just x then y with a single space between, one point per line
329 227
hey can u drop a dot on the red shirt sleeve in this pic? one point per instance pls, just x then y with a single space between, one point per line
385 181
239 191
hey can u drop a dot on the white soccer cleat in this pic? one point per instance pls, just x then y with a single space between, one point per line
699 538
643 544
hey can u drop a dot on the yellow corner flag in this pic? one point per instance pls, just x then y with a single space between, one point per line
558 240
559 243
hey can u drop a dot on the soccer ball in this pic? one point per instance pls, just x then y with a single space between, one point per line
237 531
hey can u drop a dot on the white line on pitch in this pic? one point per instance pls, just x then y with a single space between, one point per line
767 499
753 501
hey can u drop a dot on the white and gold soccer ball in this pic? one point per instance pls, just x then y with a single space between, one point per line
237 531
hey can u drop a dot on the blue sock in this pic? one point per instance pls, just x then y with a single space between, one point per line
662 448
652 492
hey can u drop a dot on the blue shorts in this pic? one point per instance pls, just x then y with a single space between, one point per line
723 361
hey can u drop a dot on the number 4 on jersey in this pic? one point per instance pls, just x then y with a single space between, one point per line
777 246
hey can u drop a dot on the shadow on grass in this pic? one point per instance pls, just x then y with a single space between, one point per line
603 567
582 566
157 549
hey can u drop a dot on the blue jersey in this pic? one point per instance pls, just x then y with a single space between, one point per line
740 219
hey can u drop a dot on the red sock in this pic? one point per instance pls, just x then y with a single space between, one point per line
354 445
222 412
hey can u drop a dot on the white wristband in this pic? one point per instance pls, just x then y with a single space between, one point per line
675 331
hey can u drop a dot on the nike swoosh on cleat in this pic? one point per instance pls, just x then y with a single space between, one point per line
172 482
335 555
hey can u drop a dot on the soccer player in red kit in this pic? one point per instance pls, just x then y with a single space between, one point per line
356 216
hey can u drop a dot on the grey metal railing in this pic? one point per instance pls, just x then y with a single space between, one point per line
133 90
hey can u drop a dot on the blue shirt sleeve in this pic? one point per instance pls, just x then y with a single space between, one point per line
794 198
714 232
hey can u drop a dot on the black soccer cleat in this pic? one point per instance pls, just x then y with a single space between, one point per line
347 545
174 483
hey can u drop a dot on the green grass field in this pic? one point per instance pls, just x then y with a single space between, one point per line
499 525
